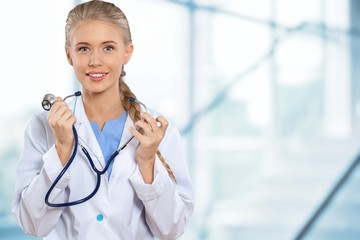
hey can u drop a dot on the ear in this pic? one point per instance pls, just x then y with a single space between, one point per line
128 52
68 56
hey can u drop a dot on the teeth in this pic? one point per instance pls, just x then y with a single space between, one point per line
97 75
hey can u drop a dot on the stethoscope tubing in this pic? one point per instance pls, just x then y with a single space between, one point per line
97 171
91 162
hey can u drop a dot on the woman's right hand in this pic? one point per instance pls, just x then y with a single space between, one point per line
61 121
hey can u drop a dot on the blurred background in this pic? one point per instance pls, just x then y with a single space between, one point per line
266 94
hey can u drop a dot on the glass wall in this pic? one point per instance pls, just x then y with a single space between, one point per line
262 91
340 220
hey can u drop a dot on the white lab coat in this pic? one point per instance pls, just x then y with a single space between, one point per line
123 208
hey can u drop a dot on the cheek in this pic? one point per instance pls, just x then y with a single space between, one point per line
79 66
115 64
79 75
79 61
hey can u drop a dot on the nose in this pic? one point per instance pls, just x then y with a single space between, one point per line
95 59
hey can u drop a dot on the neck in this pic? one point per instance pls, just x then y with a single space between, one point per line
100 107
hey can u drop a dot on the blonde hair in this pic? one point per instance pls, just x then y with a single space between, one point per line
97 10
110 13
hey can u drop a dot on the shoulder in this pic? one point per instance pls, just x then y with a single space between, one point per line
38 124
40 117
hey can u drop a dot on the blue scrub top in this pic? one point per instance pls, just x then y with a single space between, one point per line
109 137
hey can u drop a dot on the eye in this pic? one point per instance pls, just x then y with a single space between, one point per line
83 49
108 48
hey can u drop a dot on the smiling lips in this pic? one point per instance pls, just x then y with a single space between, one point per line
96 77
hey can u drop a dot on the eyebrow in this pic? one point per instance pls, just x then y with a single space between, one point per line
106 42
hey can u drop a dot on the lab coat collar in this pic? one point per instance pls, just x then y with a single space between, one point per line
86 135
88 139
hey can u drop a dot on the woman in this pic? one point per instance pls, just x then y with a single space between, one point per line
146 191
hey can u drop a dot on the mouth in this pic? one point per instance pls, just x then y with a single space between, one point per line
96 76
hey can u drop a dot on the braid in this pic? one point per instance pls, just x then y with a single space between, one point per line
166 165
134 110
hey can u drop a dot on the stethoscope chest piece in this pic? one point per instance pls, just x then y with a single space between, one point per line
48 101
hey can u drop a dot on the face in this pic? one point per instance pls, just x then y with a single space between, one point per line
97 52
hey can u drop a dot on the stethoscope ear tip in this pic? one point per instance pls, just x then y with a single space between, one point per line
78 93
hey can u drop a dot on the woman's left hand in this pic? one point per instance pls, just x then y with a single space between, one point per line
149 139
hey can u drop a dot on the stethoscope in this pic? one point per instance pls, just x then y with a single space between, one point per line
47 102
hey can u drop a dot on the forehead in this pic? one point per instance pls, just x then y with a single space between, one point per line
95 31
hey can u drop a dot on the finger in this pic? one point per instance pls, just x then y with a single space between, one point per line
55 106
62 111
67 117
136 134
67 114
144 126
60 115
150 120
163 123
72 120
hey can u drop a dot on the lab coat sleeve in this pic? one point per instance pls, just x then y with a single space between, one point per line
168 205
38 167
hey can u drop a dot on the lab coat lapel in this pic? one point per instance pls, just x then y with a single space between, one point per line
125 164
86 135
